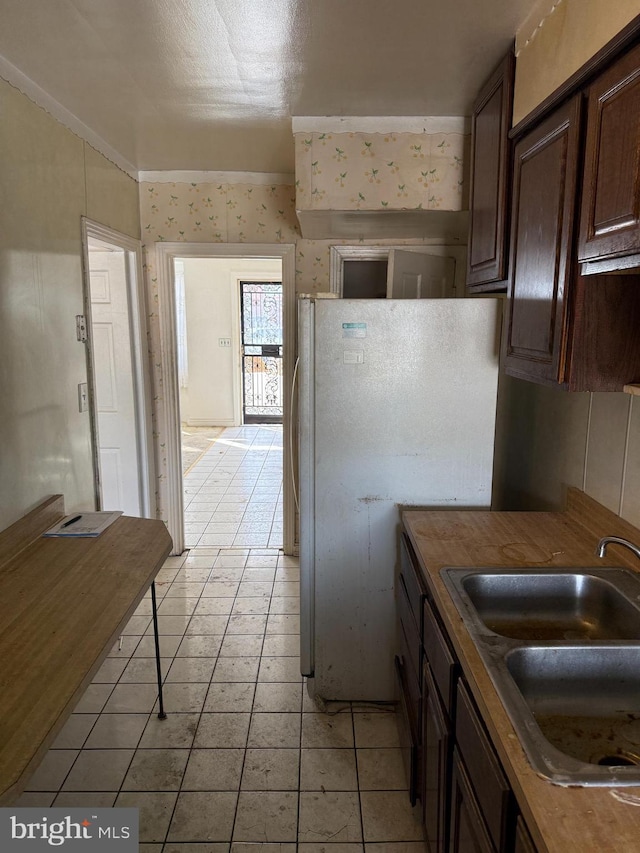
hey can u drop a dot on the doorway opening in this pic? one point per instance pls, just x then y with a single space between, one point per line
118 385
229 334
234 455
397 272
262 376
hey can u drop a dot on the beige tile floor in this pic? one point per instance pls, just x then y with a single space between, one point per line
244 758
233 490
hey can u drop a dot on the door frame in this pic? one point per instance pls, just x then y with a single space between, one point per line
380 252
340 254
166 253
139 353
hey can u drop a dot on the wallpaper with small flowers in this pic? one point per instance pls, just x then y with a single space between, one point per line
255 213
357 171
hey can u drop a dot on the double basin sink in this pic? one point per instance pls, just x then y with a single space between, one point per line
562 648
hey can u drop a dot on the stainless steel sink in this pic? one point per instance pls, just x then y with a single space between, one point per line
585 702
553 606
562 648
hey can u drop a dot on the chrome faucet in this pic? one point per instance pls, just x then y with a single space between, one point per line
615 540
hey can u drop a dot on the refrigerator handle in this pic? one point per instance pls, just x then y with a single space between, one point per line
293 470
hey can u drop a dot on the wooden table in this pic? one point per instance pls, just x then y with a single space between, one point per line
63 604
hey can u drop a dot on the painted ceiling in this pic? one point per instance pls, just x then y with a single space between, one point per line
213 84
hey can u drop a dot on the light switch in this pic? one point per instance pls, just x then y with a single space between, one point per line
224 342
353 356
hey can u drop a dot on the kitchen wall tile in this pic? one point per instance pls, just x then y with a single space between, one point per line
541 436
606 448
631 498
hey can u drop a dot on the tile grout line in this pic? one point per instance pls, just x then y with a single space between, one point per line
255 688
175 804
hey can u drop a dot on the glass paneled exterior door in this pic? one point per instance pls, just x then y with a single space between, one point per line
262 374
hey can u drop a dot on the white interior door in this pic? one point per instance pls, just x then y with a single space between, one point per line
114 381
417 275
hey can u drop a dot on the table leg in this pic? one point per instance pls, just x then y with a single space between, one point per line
161 713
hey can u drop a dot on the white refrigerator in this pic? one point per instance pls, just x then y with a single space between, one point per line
396 407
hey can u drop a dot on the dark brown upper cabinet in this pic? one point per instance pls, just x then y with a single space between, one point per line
543 212
490 168
610 216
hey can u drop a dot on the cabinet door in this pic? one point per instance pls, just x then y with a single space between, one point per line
544 192
437 746
610 217
468 833
490 164
524 842
407 732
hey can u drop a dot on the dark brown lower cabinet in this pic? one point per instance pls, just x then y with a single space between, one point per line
437 750
468 830
524 841
451 764
408 733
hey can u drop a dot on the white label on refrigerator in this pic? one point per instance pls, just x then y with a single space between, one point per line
353 356
354 330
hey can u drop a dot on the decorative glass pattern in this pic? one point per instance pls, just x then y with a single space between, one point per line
261 309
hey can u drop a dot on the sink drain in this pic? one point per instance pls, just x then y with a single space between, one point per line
619 759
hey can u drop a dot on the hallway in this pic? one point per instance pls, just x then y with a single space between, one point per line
233 488
244 758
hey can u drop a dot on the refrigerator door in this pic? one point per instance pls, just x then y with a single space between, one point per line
306 481
401 409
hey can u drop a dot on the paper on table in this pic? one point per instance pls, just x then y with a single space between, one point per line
88 524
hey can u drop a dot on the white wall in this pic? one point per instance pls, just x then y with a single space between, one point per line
212 295
49 178
552 45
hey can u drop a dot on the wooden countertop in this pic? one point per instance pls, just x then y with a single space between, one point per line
561 820
63 603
